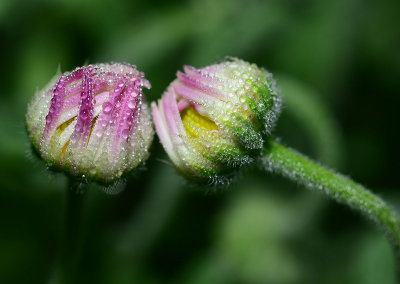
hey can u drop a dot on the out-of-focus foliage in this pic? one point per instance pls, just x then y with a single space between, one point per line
338 63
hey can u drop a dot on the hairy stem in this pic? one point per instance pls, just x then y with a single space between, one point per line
291 164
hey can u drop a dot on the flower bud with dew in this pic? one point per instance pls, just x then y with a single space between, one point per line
213 120
92 122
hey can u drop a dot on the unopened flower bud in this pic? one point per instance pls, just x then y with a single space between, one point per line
213 120
92 122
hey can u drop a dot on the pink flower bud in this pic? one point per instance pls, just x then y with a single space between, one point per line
93 121
215 119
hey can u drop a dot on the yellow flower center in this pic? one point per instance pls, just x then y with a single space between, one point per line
194 123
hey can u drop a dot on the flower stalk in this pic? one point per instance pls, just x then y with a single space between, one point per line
72 235
298 168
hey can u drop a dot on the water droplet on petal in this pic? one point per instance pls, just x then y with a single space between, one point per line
125 133
107 107
131 104
84 114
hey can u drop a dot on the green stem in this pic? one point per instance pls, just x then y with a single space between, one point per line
72 241
289 163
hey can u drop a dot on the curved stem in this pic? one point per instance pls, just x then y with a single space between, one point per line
291 164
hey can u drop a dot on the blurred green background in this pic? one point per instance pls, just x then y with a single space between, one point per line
338 65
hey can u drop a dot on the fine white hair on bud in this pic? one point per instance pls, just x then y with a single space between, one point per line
213 120
92 122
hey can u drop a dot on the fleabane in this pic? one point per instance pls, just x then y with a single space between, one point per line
213 120
92 122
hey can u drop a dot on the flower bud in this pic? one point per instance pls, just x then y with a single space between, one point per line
92 122
213 120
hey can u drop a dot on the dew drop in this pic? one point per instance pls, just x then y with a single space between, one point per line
131 104
107 107
84 114
125 133
73 138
